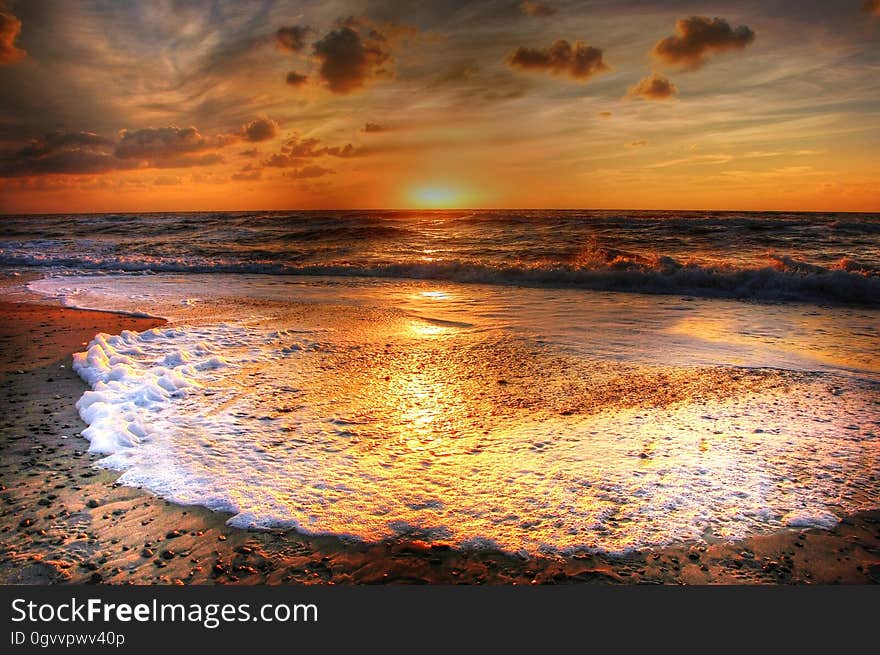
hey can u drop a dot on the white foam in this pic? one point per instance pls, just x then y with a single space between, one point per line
284 427
179 411
134 377
805 519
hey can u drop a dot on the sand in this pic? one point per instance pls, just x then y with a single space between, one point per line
65 521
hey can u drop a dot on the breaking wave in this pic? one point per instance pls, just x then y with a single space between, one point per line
783 278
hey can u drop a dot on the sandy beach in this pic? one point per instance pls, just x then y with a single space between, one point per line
66 521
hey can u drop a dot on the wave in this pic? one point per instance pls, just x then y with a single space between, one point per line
782 279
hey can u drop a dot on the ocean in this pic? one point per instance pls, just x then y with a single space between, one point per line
765 256
535 381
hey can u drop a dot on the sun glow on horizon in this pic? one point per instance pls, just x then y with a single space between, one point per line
437 196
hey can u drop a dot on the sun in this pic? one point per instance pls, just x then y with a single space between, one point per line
437 196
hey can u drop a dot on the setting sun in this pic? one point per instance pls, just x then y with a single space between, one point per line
436 197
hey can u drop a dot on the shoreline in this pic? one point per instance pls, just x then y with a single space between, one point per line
66 521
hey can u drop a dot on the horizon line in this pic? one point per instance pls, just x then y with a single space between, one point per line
442 209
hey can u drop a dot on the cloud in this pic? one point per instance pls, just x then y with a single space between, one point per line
58 140
73 153
308 172
871 7
295 150
67 162
653 87
373 128
293 38
247 173
349 60
637 144
159 143
699 36
188 161
578 61
10 27
61 153
345 152
604 114
536 9
295 79
260 129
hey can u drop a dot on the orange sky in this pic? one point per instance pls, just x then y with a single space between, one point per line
172 105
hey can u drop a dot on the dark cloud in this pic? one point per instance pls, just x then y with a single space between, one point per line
260 129
345 152
57 141
604 114
349 60
250 152
159 142
295 150
578 61
373 128
61 153
653 87
871 7
72 153
536 9
292 39
66 162
10 27
699 36
637 144
295 79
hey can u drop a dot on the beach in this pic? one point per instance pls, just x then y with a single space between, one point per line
65 521
441 397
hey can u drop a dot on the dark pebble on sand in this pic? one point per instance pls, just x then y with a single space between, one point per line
26 523
174 534
167 554
92 503
95 578
146 552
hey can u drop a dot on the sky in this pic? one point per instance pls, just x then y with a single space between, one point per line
172 105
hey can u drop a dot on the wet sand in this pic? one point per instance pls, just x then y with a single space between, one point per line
65 521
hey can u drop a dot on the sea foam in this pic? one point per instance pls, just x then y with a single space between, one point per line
133 377
283 429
